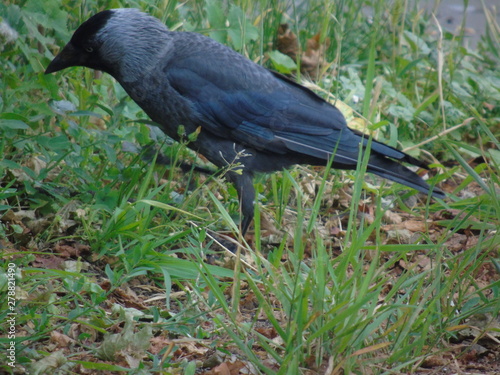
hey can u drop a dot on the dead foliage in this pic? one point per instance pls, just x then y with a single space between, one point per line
312 58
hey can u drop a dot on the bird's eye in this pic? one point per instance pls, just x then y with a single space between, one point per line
89 49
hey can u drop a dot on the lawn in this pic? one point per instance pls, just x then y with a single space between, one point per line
117 256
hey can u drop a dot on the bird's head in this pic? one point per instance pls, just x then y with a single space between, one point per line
122 42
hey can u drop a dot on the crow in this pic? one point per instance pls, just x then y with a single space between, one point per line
245 115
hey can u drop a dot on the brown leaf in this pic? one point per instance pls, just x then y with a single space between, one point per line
415 225
269 332
40 224
287 42
400 236
71 249
48 261
17 217
336 231
249 302
60 339
128 298
313 59
433 361
409 225
392 217
228 368
456 243
8 248
222 369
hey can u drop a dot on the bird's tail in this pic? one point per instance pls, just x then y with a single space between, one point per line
394 171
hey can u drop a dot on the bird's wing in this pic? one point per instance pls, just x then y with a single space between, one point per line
242 101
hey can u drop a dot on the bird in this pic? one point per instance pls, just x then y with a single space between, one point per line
244 114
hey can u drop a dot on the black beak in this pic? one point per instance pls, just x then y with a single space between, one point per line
67 57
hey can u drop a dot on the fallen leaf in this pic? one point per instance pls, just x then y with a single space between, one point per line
313 59
269 332
71 249
392 217
287 42
48 261
128 298
401 236
433 361
60 339
228 368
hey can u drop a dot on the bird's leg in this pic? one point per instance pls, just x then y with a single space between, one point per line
246 194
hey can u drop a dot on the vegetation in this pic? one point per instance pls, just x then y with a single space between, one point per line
124 265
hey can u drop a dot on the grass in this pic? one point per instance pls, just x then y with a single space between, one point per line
116 260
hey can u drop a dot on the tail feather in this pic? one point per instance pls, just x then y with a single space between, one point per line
393 153
392 170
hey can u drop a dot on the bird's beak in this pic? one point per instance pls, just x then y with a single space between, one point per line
66 58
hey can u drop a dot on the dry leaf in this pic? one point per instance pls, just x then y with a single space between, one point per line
48 261
269 332
287 42
392 217
60 339
128 298
433 361
313 59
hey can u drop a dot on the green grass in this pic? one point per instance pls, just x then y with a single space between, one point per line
111 250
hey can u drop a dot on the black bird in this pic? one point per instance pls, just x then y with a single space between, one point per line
244 112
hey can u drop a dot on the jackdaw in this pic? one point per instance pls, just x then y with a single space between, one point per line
243 112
